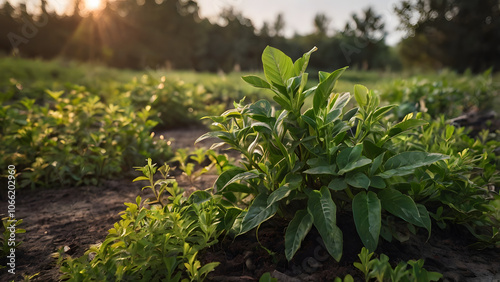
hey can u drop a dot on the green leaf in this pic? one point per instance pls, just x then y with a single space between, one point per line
278 67
367 212
323 210
404 207
225 177
241 177
341 102
405 163
266 277
258 212
381 111
449 131
361 94
337 184
139 178
296 232
405 126
325 88
349 114
376 163
377 182
300 65
279 194
356 164
256 81
326 169
358 180
349 155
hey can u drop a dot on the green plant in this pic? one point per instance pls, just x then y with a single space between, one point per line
73 138
306 164
461 189
160 243
381 270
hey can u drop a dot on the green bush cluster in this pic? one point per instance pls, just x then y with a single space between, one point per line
178 103
157 243
445 94
72 138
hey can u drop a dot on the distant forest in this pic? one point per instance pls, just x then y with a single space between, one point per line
457 34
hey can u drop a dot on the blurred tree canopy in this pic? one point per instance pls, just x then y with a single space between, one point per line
458 34
171 34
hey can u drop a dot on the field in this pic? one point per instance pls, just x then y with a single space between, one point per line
398 180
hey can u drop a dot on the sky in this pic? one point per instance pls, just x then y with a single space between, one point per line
298 14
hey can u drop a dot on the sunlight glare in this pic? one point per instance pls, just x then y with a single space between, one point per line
92 5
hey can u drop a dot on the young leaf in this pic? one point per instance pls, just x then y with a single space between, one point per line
325 88
405 126
256 81
367 212
300 64
278 67
361 94
324 212
296 232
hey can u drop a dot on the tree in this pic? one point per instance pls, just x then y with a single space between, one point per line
321 22
459 34
364 39
279 25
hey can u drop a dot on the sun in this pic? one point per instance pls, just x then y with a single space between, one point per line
92 5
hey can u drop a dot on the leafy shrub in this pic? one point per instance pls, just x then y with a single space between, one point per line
446 94
156 244
177 103
305 164
464 188
74 138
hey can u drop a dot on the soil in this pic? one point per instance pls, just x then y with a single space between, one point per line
75 218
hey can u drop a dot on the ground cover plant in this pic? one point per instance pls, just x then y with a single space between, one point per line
156 243
74 138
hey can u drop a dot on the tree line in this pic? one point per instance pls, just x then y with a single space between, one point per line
171 34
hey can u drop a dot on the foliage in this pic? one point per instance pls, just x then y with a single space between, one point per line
461 189
381 270
445 94
168 34
175 103
308 163
73 138
437 27
192 163
159 243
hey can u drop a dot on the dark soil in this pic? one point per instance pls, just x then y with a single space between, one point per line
75 218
